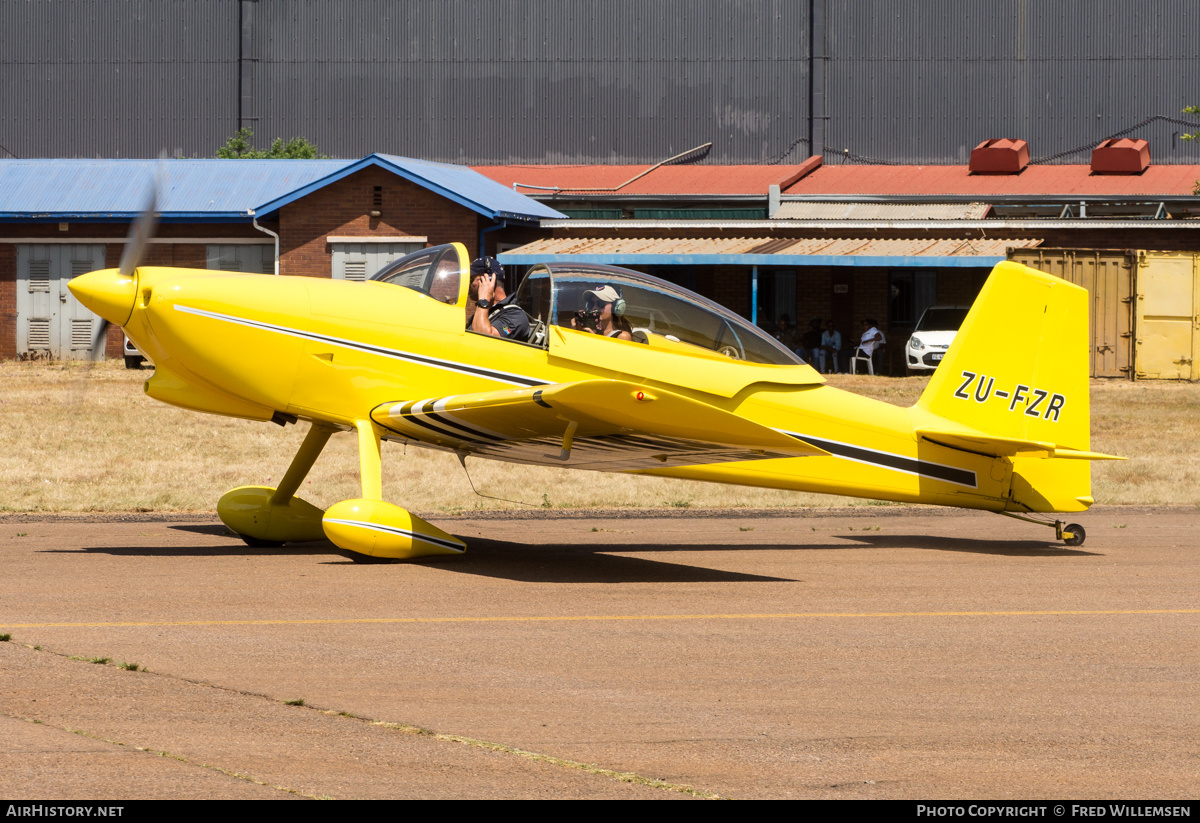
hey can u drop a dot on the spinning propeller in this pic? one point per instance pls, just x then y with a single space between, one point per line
136 242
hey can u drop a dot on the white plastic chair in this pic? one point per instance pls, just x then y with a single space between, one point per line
859 354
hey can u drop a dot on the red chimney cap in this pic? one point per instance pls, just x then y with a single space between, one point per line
1003 156
1121 156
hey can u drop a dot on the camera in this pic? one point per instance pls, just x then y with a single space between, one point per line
588 319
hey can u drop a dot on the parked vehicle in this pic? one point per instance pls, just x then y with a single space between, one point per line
934 333
133 358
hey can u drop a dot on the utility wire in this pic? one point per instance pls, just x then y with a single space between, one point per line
1089 146
846 155
787 151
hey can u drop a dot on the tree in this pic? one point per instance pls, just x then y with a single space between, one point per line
238 147
1191 110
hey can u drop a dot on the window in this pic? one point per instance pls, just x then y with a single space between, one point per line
258 258
776 297
910 292
362 258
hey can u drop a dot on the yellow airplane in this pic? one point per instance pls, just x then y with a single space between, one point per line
689 390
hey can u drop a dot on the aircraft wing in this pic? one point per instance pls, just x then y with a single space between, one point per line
603 425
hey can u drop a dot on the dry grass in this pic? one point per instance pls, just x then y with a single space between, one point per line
85 438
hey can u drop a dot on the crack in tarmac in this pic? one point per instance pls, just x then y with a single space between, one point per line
403 728
249 778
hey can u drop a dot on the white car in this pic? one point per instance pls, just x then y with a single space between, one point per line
133 357
934 333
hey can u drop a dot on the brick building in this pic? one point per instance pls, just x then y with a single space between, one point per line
844 242
317 218
806 240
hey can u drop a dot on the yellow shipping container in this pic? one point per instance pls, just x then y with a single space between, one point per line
1145 307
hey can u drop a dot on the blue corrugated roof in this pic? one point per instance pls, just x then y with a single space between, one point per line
118 188
224 189
461 184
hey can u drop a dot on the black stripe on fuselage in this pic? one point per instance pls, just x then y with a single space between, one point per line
909 465
420 359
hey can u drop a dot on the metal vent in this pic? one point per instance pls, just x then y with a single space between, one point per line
81 334
39 335
79 267
356 269
268 265
39 276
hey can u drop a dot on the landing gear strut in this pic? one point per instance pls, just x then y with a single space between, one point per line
266 518
1072 534
375 529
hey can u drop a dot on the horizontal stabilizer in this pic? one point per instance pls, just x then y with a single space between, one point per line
609 425
980 443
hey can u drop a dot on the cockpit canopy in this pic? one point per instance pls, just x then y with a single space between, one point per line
643 309
651 310
438 271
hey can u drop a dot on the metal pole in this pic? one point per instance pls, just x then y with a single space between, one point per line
754 295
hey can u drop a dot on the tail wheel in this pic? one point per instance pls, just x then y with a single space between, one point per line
1078 535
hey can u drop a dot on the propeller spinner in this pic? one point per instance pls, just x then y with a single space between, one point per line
111 293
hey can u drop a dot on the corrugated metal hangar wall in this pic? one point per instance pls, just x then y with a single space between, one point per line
552 81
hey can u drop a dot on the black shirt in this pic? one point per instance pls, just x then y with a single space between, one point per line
509 319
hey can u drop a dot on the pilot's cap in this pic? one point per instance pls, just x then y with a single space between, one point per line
604 294
487 265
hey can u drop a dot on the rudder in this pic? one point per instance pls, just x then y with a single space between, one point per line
1018 371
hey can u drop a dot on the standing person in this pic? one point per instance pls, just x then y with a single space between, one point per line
495 313
831 347
812 342
871 344
784 332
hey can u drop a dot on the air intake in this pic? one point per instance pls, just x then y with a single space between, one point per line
1122 156
1003 156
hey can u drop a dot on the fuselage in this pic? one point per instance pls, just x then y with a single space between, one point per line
331 351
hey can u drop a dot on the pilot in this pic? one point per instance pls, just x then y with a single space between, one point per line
494 313
603 313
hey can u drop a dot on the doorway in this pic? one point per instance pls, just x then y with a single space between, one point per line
50 321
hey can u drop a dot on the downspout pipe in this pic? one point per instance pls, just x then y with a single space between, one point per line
816 77
503 224
254 220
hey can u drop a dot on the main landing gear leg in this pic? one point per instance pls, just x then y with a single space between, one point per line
1072 534
373 530
267 518
302 463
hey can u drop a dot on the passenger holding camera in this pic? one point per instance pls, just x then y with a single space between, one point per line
603 313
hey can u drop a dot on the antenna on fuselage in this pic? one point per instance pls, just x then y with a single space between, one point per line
462 459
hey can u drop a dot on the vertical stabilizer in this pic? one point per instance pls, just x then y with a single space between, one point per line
1018 372
1018 367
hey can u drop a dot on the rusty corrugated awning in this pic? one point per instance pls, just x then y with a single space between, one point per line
766 251
811 210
